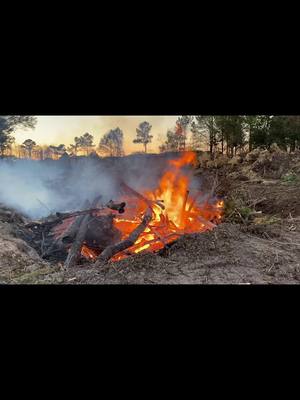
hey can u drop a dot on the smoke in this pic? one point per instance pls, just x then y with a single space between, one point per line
39 188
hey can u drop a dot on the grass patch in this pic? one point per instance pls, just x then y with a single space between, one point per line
41 275
236 211
290 178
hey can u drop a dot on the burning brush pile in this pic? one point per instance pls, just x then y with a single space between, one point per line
138 221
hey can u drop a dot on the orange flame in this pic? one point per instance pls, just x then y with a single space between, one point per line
180 214
175 211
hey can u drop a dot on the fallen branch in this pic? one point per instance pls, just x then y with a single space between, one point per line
205 222
131 191
60 217
257 201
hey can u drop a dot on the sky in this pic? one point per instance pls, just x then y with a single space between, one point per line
55 130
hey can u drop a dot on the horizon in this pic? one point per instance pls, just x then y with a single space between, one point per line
62 129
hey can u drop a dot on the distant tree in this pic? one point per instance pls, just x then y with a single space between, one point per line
84 142
293 125
285 131
61 149
113 142
172 143
58 150
37 153
143 134
250 122
75 147
231 130
47 152
260 136
28 145
5 142
204 128
182 124
162 148
8 124
203 131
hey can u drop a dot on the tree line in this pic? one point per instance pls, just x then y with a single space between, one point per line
227 134
111 143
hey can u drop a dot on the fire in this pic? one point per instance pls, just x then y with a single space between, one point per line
175 211
88 253
180 214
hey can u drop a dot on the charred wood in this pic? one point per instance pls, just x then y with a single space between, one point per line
111 250
75 250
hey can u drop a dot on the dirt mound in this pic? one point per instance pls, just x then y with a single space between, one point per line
271 197
252 156
272 164
19 262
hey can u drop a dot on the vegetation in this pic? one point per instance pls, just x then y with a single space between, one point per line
143 134
112 142
28 145
8 124
83 143
218 134
232 134
182 125
291 178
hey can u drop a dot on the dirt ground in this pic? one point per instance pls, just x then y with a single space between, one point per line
258 243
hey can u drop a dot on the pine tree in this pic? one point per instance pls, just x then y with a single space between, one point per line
143 134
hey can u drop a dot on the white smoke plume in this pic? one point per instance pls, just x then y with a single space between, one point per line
39 188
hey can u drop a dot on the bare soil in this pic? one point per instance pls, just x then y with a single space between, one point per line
226 255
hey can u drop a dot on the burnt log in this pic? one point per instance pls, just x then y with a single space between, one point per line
57 249
75 250
60 217
111 250
102 232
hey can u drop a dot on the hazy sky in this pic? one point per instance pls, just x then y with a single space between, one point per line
62 129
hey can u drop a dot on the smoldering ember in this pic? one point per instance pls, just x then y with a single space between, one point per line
178 216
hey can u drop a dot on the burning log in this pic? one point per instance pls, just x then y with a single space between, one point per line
206 223
96 235
194 201
110 251
131 191
183 212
